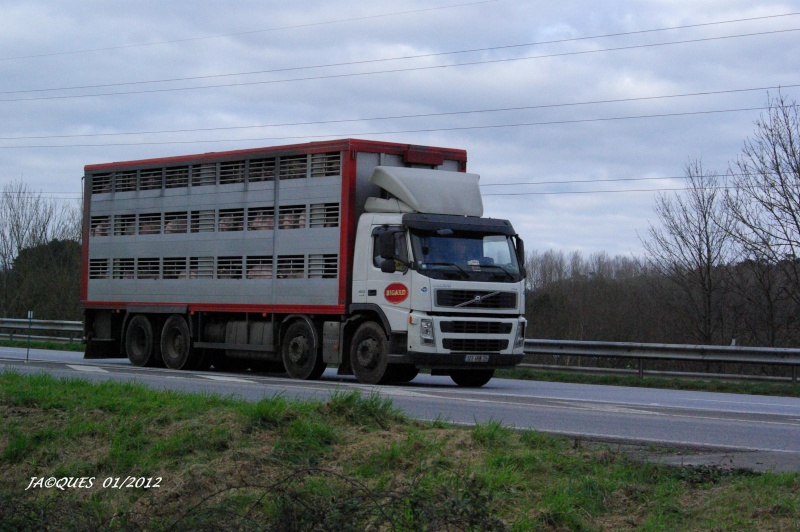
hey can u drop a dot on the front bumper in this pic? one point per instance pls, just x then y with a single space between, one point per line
459 361
450 342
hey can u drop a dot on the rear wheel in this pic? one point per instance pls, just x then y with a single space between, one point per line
369 353
176 343
471 378
139 342
300 351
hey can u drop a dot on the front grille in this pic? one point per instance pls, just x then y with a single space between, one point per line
475 327
476 299
474 345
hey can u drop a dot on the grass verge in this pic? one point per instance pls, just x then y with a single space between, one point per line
352 462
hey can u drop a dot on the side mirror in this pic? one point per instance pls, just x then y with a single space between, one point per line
386 247
388 266
520 245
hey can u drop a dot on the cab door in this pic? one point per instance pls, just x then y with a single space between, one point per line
388 277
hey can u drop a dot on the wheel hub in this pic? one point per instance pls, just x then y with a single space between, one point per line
139 340
177 343
298 347
367 353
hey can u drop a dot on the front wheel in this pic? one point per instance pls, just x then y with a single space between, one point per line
471 378
300 352
369 353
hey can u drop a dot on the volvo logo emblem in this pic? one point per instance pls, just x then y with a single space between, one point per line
477 299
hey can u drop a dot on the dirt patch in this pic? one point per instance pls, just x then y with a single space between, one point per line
724 459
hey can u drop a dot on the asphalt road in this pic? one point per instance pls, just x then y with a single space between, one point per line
721 429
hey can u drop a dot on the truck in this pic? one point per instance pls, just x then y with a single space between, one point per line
373 257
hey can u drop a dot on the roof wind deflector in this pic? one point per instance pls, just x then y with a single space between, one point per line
432 191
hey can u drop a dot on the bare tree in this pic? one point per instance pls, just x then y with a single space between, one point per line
25 219
689 247
765 200
29 220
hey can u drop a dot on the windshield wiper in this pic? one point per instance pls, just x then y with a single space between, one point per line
508 273
462 270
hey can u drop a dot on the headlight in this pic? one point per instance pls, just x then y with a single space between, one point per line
426 332
519 341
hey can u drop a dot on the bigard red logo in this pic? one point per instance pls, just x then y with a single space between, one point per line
395 293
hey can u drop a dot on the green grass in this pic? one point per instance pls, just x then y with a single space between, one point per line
351 462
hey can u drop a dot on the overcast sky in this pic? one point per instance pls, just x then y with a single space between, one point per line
567 110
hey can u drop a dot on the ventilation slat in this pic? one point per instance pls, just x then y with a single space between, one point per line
326 164
294 167
203 221
229 268
291 267
101 183
262 170
292 217
148 268
322 266
175 222
150 223
231 172
231 219
201 267
99 226
260 219
176 177
125 181
324 215
124 224
98 268
204 174
259 267
151 179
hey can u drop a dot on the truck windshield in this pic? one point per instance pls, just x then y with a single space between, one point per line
465 256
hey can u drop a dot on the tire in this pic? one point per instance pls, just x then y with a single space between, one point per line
471 378
369 353
139 341
176 343
300 351
401 373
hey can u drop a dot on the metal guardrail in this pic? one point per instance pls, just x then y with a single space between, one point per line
72 331
672 352
17 329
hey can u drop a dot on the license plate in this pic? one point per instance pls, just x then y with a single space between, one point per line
476 358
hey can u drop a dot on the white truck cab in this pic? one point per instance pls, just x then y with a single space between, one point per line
446 282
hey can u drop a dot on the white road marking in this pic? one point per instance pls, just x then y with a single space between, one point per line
78 367
226 379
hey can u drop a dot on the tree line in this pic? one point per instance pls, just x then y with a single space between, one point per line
722 261
722 264
40 257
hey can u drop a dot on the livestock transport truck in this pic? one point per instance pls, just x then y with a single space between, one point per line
370 256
